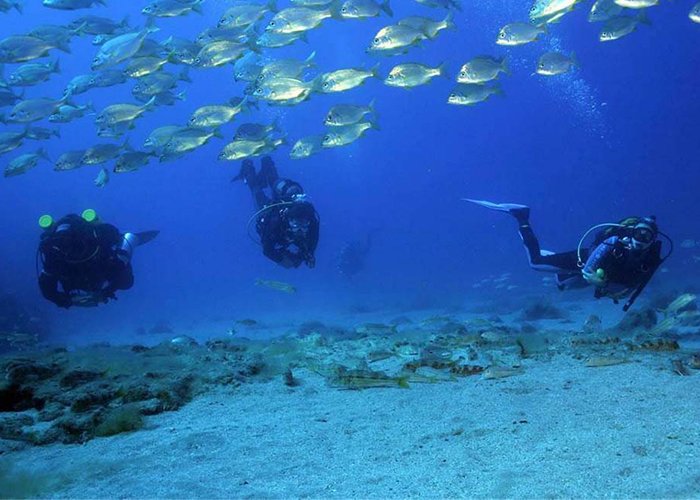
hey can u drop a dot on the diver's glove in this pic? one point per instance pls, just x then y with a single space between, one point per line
597 278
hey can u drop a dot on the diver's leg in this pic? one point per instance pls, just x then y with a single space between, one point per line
268 172
256 183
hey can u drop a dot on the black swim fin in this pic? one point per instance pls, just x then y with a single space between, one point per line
144 237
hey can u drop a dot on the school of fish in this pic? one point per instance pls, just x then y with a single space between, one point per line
244 40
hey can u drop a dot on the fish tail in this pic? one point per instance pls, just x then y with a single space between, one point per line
442 70
642 18
574 60
504 66
55 67
449 21
184 75
387 8
150 104
18 6
375 71
41 152
310 60
150 27
217 133
272 6
403 382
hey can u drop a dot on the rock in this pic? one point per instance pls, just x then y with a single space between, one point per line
17 398
51 411
150 406
77 428
98 397
123 419
12 425
77 378
644 319
26 371
542 310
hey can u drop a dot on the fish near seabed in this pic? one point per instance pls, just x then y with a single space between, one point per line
276 285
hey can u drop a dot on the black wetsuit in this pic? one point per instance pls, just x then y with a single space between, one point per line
82 262
627 271
279 211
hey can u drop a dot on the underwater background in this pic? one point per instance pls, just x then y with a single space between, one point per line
618 136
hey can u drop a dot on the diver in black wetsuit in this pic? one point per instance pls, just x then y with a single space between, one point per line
288 224
623 258
84 261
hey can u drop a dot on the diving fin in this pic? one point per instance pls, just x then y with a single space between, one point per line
502 207
144 237
520 212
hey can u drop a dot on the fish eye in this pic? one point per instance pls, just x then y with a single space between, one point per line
329 117
502 34
344 9
326 138
452 96
272 23
376 41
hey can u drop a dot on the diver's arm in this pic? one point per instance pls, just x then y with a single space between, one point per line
594 271
48 285
312 242
653 266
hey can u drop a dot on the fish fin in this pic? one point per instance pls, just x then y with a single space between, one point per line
499 91
217 133
442 70
56 132
55 67
456 4
304 37
125 22
387 8
197 7
373 123
145 237
375 70
126 145
18 6
403 382
181 96
272 6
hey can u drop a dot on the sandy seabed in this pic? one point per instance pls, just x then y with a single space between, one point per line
560 430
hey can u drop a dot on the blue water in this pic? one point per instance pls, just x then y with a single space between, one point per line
617 137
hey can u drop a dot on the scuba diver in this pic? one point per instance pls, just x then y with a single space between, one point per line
619 264
286 221
84 261
352 256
